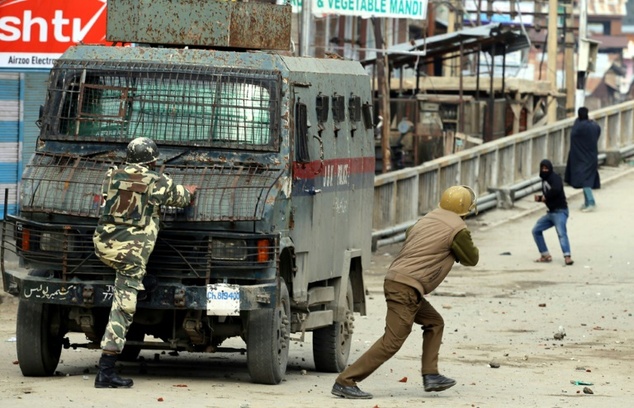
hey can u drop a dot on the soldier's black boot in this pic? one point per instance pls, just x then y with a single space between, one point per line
107 376
150 283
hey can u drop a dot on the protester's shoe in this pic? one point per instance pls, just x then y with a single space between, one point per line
107 376
544 259
589 208
568 260
352 392
437 382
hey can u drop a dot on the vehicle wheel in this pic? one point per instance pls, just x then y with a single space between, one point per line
129 352
38 338
331 344
268 339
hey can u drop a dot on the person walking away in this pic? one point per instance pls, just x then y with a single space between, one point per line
432 246
582 167
554 197
125 237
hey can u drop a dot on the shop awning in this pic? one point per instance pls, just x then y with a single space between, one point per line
495 39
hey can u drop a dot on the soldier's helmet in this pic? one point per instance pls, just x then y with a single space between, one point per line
142 150
459 199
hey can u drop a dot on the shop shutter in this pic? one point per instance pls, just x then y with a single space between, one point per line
10 115
34 96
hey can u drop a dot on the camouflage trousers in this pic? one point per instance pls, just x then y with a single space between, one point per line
129 259
121 312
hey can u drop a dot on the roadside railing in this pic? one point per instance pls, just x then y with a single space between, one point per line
494 170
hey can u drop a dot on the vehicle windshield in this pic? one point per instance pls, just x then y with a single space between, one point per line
212 109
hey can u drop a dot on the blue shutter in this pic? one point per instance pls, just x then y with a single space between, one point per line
10 115
34 96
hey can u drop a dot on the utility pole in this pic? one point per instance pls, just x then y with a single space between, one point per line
449 64
551 46
580 92
304 40
382 69
569 58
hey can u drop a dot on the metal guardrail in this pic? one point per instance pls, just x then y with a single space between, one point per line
510 163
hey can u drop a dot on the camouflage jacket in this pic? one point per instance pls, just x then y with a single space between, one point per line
133 195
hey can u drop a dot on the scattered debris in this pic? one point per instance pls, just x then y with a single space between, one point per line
505 253
449 293
494 364
587 390
542 305
577 382
303 372
561 333
403 380
11 339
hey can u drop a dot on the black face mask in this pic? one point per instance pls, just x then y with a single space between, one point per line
545 174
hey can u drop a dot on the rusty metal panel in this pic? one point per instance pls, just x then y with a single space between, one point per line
200 23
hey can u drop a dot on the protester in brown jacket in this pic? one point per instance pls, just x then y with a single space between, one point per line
432 246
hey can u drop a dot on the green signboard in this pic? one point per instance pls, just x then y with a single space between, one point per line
413 9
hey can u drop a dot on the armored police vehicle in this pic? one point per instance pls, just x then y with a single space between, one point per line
281 149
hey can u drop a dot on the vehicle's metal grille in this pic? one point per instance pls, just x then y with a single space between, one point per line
71 185
235 193
67 251
172 104
62 184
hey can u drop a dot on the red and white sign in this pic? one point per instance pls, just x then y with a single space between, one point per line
33 33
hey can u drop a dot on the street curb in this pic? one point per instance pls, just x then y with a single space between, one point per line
573 194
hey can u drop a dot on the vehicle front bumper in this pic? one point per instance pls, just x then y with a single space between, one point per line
100 293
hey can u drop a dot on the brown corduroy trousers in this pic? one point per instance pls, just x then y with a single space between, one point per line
405 306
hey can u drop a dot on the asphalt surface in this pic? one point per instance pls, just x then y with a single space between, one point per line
518 333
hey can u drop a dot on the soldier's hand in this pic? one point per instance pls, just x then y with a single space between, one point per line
191 188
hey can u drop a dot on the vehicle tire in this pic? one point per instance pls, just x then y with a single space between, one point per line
331 344
268 340
129 352
38 338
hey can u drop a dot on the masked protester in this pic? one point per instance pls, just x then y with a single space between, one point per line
125 238
554 197
432 246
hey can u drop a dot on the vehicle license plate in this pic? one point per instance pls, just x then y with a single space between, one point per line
223 299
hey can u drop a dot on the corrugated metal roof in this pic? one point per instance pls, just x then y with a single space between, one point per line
492 38
607 7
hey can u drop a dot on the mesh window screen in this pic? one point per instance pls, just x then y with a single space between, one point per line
187 107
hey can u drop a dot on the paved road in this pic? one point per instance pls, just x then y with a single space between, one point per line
506 311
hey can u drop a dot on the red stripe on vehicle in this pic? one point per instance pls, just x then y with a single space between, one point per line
316 168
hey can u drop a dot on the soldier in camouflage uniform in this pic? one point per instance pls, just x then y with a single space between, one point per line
125 238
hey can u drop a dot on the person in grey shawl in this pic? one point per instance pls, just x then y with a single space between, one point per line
582 168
